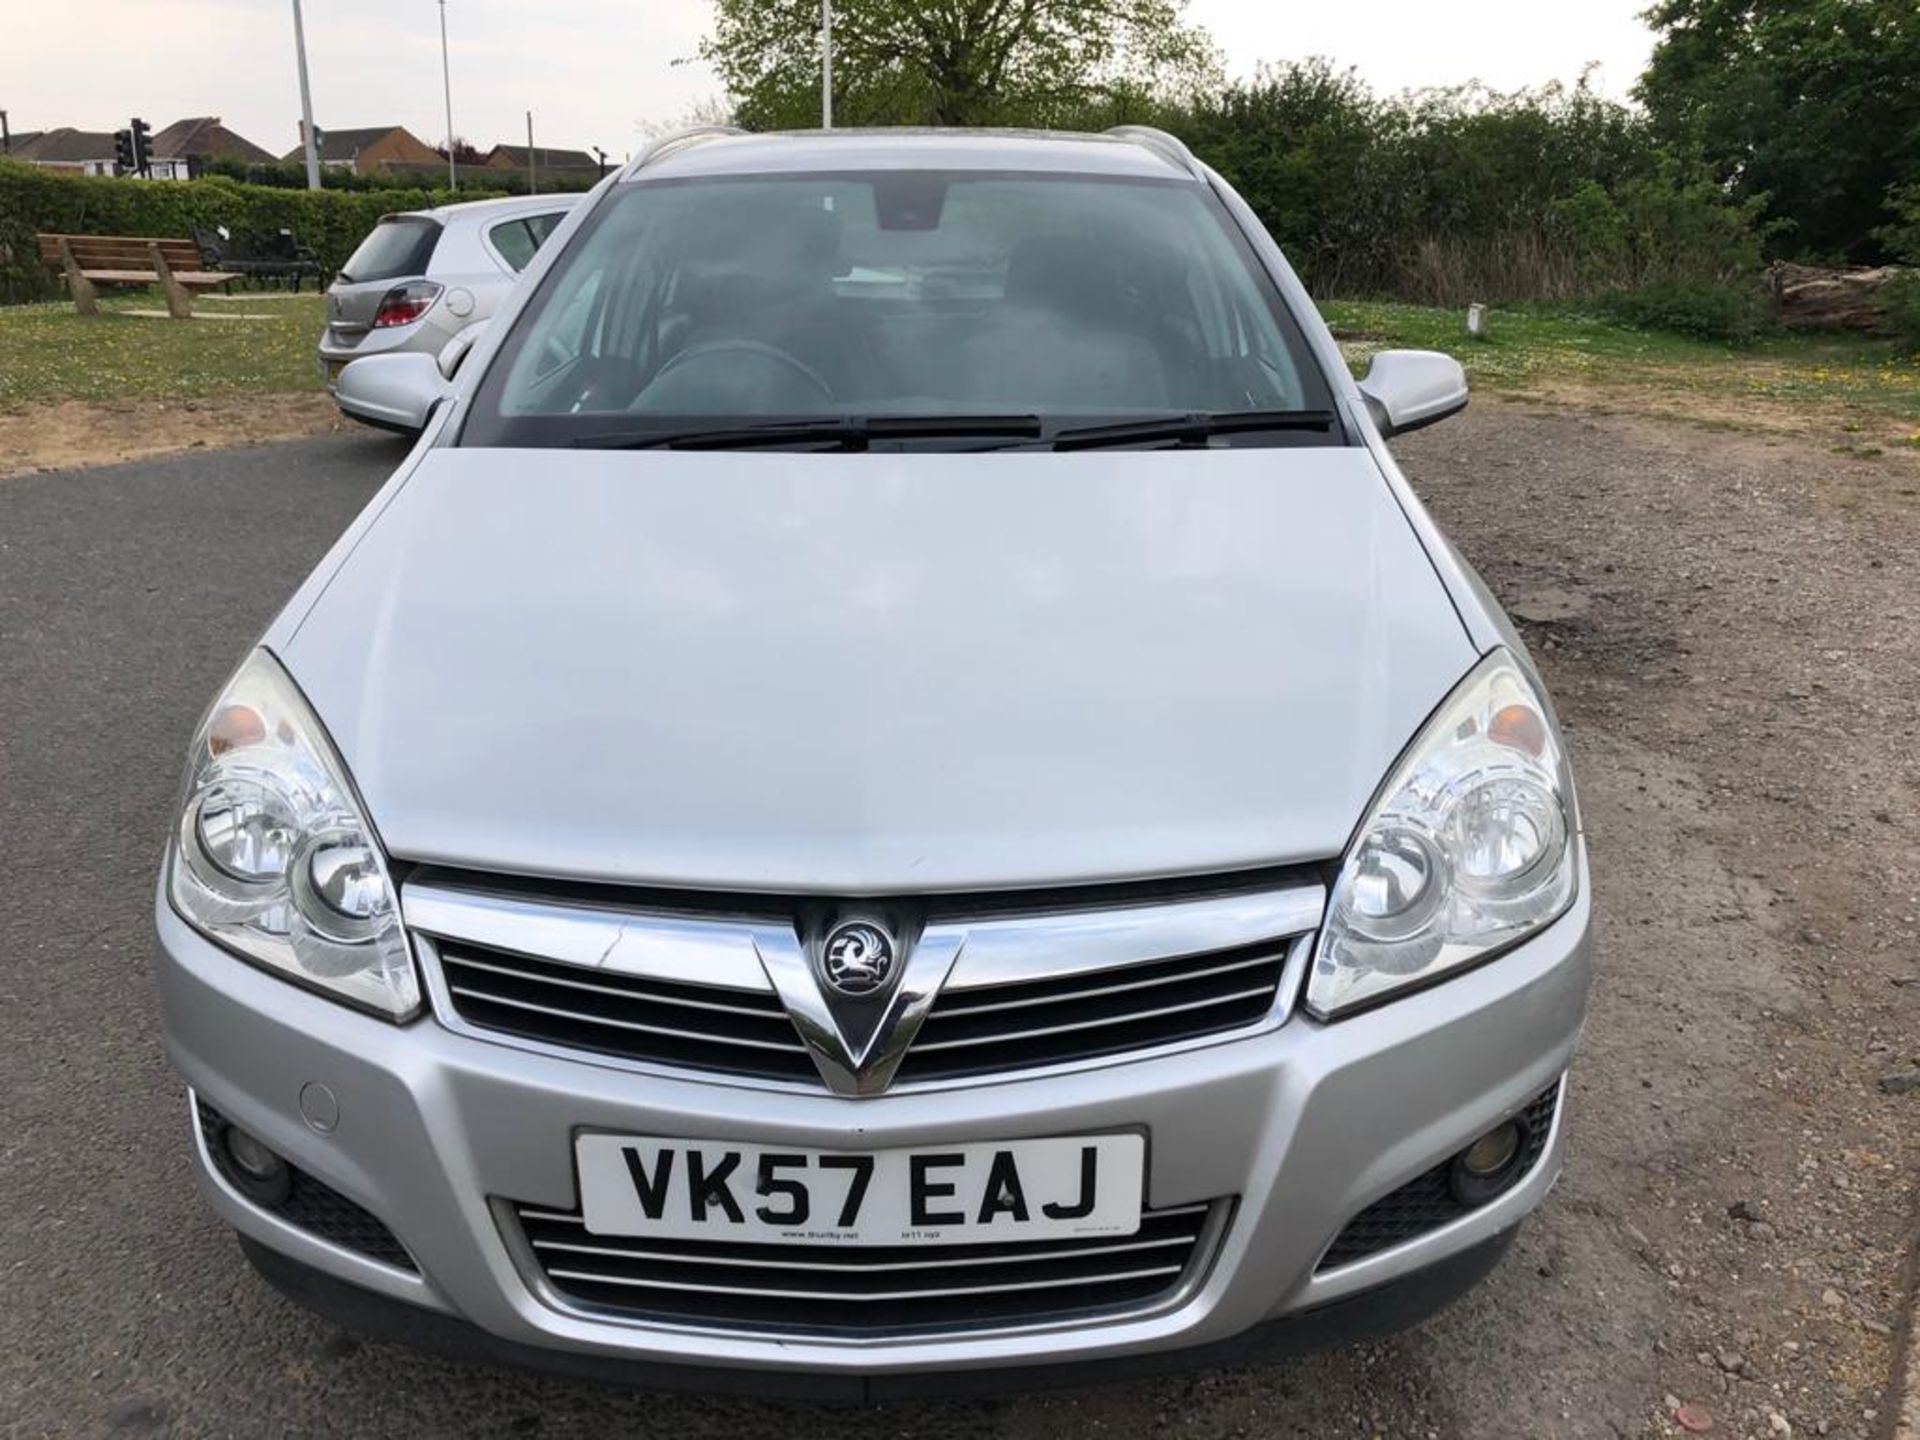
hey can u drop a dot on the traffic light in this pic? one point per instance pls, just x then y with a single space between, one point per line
123 162
142 150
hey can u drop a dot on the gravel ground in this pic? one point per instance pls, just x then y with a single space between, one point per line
1732 628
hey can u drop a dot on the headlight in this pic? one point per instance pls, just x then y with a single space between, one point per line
1468 847
272 856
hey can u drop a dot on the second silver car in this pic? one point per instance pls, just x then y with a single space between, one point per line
423 276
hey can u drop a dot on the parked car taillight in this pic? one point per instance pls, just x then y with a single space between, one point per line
405 304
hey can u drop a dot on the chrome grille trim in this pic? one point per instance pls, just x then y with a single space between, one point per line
1072 942
779 1291
1101 984
686 949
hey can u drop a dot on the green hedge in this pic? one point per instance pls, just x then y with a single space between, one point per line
35 201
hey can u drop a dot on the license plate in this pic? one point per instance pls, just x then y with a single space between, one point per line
937 1195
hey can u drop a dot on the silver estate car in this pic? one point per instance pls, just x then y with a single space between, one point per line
897 796
421 277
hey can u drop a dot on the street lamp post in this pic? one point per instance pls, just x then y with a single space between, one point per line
446 84
306 102
826 64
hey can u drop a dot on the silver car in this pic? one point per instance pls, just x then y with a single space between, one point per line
423 276
897 793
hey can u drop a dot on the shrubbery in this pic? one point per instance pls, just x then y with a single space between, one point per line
1706 311
1443 197
292 175
34 201
1903 239
1460 195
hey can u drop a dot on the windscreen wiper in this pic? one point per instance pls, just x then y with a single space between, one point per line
850 432
1193 429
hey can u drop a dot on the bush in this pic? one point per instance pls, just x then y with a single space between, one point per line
1902 294
36 201
1706 310
292 175
1452 196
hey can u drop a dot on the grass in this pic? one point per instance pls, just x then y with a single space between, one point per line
48 352
1528 348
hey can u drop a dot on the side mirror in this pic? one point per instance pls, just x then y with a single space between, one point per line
1406 389
455 350
393 392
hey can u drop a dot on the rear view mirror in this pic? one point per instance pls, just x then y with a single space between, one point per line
1406 389
393 392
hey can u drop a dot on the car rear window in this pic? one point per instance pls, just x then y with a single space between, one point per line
398 246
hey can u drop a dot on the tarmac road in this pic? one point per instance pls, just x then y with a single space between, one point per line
1721 1062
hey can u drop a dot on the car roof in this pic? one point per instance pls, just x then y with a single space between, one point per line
1140 153
507 205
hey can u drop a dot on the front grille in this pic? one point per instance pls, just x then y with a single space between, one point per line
695 1027
1427 1202
1025 1024
313 1206
681 982
882 1290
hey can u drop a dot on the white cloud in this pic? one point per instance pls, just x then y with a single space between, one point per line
1410 44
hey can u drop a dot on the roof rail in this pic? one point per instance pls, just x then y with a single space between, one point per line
1166 146
678 140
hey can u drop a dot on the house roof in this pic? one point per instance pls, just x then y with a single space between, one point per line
21 139
66 146
544 158
345 144
206 136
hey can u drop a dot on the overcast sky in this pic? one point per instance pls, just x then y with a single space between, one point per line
597 72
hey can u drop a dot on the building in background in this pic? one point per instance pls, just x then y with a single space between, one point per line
379 147
80 152
190 144
562 165
179 152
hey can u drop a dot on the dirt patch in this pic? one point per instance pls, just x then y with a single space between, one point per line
1731 626
69 434
1753 404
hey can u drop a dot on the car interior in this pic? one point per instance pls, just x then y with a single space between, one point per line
905 295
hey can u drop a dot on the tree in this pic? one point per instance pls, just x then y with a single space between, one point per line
955 62
1813 102
465 152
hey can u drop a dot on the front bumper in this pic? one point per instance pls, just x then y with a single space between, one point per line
1306 1126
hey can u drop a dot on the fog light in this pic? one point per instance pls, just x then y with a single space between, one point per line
255 1171
1489 1165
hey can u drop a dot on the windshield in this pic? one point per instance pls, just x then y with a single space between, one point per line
399 246
748 300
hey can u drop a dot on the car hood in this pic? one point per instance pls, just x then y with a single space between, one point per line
877 673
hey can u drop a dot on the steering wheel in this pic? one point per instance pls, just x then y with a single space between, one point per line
708 350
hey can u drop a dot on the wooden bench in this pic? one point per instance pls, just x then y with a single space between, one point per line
92 260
